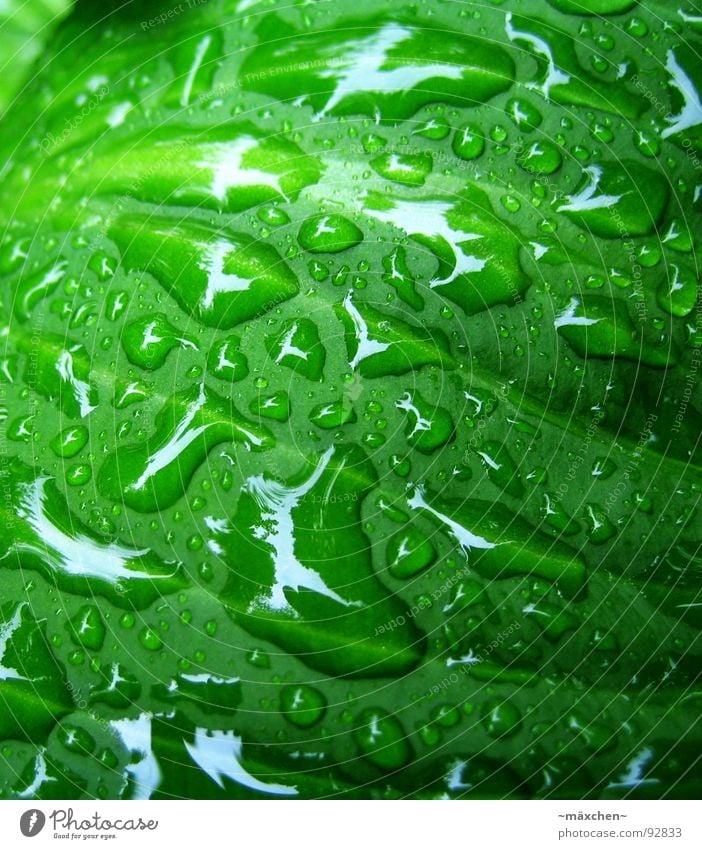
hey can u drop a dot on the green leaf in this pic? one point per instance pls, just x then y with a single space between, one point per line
24 29
350 404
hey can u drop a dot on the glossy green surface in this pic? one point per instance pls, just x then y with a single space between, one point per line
24 29
349 381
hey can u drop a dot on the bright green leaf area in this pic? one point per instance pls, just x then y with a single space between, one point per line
24 28
349 379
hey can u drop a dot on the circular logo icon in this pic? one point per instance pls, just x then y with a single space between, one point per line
32 822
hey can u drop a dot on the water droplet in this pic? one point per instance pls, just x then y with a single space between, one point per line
221 278
380 344
637 27
273 215
603 468
510 203
428 427
329 234
332 591
599 528
297 346
647 143
382 740
150 639
76 739
148 341
597 326
318 270
556 516
607 201
501 718
402 466
103 265
446 716
435 129
397 274
259 659
408 553
678 237
501 468
302 705
88 628
553 621
154 473
409 169
333 414
524 114
78 475
458 66
226 361
468 142
596 735
70 441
